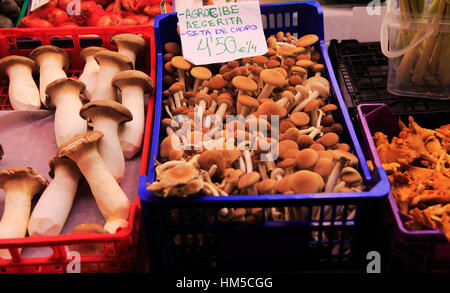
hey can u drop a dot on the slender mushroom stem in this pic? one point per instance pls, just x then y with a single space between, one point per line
334 175
248 161
314 95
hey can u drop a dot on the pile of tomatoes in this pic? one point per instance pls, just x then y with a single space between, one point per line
75 13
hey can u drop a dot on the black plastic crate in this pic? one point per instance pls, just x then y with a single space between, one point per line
361 70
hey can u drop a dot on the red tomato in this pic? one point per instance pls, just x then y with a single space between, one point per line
54 15
69 24
31 21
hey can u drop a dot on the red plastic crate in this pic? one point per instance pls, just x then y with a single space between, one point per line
120 249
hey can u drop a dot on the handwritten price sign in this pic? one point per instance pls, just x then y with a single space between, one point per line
221 33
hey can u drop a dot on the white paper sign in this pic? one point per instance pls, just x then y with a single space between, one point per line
221 33
35 4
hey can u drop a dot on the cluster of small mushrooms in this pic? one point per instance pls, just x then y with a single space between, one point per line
222 156
99 121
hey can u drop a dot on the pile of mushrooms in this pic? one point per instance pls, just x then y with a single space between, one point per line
99 122
252 126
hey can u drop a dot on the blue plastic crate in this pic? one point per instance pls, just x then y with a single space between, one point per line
183 234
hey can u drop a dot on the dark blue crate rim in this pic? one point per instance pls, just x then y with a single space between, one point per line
378 181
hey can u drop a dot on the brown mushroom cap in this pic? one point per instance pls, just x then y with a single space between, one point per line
62 84
337 154
176 87
133 77
244 83
285 51
284 146
36 53
7 61
248 180
203 97
317 146
318 67
21 176
122 61
90 51
323 167
305 181
134 42
273 77
287 163
307 40
311 105
212 157
283 185
90 248
325 154
260 60
273 63
350 176
180 63
248 101
217 82
329 139
79 143
168 144
299 118
295 80
177 175
108 108
329 108
271 108
201 72
299 70
57 161
305 63
267 186
306 159
172 47
304 141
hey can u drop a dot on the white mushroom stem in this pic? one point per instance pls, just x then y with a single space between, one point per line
50 70
16 214
212 170
68 122
23 92
89 75
131 133
109 146
266 91
242 164
200 108
211 188
279 44
319 119
308 130
315 132
262 170
248 161
223 107
314 95
110 198
339 185
167 165
270 164
181 76
205 90
335 173
277 174
193 161
168 111
50 213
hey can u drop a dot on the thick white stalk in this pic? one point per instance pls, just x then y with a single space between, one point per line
23 92
15 216
50 70
130 133
89 76
50 213
68 122
109 146
110 198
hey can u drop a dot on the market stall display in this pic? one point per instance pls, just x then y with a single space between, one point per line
54 214
65 13
197 232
